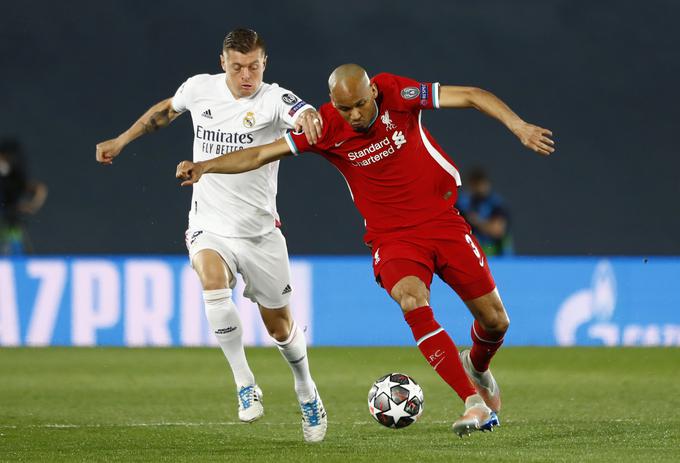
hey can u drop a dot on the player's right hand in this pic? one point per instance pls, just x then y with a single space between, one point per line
189 172
107 150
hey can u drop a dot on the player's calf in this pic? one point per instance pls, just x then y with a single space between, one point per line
225 323
485 344
294 351
439 349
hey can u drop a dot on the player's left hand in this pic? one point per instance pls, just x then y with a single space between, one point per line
536 138
189 172
311 124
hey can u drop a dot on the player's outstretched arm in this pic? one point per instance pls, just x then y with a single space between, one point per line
233 163
158 116
532 136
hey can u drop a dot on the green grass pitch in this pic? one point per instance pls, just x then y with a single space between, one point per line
108 404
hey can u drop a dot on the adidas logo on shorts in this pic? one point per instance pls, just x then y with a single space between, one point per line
195 235
286 290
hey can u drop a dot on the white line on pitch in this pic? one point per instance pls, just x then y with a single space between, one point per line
171 424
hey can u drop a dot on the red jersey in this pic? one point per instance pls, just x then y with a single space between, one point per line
398 176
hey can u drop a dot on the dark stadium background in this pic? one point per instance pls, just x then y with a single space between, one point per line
602 75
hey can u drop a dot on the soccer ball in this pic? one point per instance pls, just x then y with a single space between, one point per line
395 400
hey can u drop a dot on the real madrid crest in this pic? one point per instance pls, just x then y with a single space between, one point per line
249 120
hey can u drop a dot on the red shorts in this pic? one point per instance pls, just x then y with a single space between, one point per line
446 248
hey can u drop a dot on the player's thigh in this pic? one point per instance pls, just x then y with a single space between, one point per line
211 270
462 265
489 311
212 258
404 269
264 265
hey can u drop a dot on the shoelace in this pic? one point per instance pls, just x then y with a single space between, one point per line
246 395
311 412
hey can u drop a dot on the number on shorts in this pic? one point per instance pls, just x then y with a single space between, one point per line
468 238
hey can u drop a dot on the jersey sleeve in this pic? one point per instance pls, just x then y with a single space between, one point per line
182 100
408 93
289 107
297 141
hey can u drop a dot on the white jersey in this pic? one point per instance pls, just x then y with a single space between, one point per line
237 205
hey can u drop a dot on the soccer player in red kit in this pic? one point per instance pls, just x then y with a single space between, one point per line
405 187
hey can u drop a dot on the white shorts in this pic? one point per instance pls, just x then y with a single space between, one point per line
262 261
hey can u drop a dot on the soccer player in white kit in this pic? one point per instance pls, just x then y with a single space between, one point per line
233 223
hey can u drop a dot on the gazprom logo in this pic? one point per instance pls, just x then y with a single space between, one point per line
123 301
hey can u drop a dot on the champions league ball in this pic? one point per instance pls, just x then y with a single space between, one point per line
395 400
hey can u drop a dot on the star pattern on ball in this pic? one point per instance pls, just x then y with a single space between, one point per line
397 411
385 386
395 400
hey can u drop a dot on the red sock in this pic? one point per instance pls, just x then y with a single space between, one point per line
484 346
439 350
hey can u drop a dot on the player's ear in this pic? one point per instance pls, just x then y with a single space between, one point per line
374 90
264 62
223 62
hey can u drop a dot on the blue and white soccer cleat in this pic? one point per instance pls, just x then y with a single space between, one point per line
314 420
250 403
477 417
492 423
484 383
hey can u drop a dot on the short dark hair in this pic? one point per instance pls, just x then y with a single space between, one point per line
243 41
477 175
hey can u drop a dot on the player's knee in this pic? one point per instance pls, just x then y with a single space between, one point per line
410 293
211 283
280 336
505 324
408 303
496 322
409 300
502 323
280 332
278 326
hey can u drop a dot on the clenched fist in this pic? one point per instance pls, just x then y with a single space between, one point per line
189 171
109 149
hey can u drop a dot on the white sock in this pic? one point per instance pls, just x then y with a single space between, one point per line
294 350
225 323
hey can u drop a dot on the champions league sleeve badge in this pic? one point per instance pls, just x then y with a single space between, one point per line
289 99
249 120
409 93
